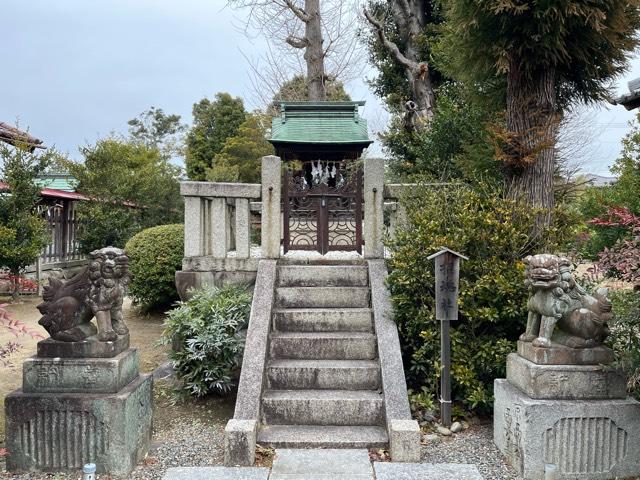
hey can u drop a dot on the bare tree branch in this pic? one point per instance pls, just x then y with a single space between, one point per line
297 42
389 45
298 12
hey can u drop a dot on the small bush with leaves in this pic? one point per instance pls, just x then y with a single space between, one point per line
495 234
155 255
625 335
208 333
622 260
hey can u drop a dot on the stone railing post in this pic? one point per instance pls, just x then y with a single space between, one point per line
193 227
243 228
373 207
219 227
271 217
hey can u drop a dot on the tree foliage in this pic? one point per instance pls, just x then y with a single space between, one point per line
457 144
296 90
214 121
23 232
239 159
622 194
132 187
494 233
549 55
156 129
155 255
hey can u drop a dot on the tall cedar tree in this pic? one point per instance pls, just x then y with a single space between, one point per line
213 123
551 55
23 232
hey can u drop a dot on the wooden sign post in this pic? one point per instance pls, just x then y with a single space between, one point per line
447 280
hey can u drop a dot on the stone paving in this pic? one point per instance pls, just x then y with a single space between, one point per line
329 464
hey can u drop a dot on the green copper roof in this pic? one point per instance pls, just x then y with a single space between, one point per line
320 123
58 181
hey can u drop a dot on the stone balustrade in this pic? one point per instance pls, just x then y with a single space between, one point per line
217 218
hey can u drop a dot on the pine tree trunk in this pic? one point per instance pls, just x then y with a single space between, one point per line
532 124
314 53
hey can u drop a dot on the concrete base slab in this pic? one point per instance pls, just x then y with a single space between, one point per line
565 382
561 355
584 439
216 473
53 432
330 464
425 471
79 375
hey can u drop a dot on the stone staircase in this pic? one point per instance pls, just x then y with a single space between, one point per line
322 365
323 382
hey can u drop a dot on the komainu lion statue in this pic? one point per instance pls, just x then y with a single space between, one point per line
561 311
98 291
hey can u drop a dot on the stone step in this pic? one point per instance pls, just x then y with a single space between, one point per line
323 345
322 297
323 320
323 276
317 436
322 407
323 374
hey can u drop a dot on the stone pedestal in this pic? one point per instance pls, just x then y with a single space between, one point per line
576 417
73 411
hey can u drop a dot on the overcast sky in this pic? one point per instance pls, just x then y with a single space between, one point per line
75 70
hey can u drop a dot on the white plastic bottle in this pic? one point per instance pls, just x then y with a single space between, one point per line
89 471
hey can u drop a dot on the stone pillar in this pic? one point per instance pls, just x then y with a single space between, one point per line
193 227
243 228
219 227
373 207
271 216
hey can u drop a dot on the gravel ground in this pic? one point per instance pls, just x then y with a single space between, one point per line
474 445
187 434
192 436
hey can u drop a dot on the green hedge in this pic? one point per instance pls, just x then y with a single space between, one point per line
155 255
495 234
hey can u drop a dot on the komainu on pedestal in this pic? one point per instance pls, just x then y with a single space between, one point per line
562 403
83 399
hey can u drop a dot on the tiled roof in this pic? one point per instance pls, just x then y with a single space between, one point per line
320 123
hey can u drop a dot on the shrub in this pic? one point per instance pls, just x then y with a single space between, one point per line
155 255
495 234
622 260
207 334
625 335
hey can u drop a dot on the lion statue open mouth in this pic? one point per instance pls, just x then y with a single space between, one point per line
560 310
98 290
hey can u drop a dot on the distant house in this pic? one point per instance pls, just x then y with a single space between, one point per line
630 100
599 180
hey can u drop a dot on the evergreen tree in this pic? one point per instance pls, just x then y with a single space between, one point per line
239 160
23 232
213 123
550 55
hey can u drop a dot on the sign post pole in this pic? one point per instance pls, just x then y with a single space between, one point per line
447 263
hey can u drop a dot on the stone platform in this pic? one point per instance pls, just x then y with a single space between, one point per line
89 348
565 382
53 432
560 355
585 439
